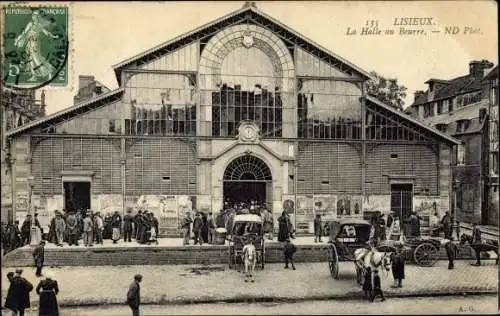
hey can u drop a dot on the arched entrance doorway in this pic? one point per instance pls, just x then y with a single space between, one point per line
247 178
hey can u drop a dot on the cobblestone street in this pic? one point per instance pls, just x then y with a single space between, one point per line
174 284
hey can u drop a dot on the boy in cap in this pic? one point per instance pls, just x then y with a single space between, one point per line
289 251
377 287
39 257
134 295
398 266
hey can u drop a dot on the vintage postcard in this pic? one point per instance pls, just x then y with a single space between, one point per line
249 157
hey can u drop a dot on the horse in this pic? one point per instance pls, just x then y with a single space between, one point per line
249 255
482 247
364 258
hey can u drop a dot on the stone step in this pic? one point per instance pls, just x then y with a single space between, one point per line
158 255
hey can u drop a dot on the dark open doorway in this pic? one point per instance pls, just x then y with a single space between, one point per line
402 200
247 178
245 191
76 195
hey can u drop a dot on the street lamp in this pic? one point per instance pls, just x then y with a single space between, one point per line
34 235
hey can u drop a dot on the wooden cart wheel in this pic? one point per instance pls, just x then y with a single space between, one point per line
426 255
333 262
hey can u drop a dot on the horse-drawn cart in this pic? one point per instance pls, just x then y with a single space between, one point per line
346 235
423 250
246 226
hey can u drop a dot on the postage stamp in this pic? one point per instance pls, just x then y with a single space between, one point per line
35 46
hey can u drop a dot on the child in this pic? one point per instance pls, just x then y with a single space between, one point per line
398 266
289 251
377 287
367 284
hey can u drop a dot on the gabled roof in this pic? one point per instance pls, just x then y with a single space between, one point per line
492 74
70 112
247 13
413 120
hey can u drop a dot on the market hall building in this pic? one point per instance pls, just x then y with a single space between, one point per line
241 108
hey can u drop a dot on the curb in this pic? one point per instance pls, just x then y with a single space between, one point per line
272 299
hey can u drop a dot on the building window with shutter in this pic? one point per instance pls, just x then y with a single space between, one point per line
440 108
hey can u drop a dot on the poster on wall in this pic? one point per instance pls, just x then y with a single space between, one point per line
356 203
21 202
110 203
343 206
324 206
303 213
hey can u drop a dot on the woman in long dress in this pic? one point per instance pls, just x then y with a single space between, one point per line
283 227
48 290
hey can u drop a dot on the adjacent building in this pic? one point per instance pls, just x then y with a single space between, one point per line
88 88
242 108
18 108
466 108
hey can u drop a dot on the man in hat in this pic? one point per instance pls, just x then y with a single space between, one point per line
186 227
20 289
398 265
72 226
134 295
211 228
60 228
39 257
127 226
88 230
98 228
197 229
26 230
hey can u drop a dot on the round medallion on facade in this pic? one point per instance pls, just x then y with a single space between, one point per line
248 131
247 39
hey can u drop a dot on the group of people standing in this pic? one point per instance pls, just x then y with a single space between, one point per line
14 237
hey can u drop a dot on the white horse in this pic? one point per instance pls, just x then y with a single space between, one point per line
364 258
249 254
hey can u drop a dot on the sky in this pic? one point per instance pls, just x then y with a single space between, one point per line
104 34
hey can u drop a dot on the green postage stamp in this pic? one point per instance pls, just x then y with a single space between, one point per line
35 46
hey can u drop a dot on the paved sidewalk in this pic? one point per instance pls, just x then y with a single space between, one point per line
202 284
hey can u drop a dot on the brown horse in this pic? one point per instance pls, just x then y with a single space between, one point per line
482 247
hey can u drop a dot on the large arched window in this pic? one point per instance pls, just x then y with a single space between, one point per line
246 73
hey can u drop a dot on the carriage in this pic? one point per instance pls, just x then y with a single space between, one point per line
422 250
246 226
346 235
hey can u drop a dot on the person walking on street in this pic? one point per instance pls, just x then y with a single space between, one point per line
20 289
134 295
48 290
116 224
451 253
186 228
10 299
398 266
317 228
211 228
377 287
127 226
39 257
289 250
476 243
88 229
197 229
60 228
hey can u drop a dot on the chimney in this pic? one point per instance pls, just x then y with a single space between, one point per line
42 104
84 81
477 68
418 93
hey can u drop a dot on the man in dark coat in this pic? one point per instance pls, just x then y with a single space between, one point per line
446 222
127 226
451 253
26 230
198 229
186 228
39 257
134 295
283 228
138 223
10 299
20 289
72 227
476 243
317 228
48 290
398 266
